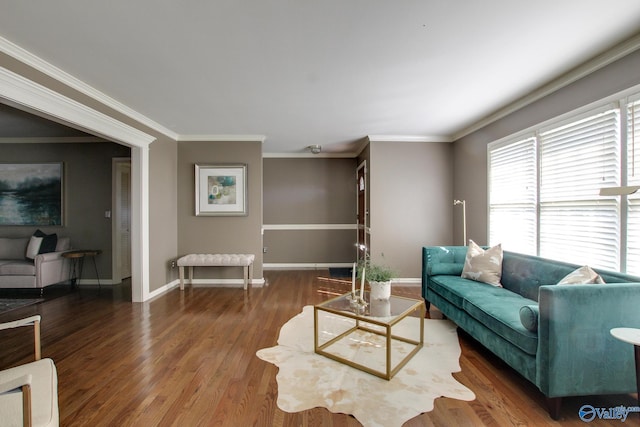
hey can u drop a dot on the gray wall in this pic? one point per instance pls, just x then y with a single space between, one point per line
470 152
410 202
303 191
87 194
220 234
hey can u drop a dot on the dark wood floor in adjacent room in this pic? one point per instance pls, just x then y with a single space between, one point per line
188 359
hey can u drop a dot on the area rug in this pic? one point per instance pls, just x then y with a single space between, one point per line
8 304
307 380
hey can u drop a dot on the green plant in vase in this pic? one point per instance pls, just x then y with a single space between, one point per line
378 276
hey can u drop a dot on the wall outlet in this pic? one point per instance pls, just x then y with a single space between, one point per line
264 250
173 263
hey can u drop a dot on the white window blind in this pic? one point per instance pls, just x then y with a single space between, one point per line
512 196
576 160
633 178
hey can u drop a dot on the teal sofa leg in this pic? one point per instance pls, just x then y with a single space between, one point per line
553 405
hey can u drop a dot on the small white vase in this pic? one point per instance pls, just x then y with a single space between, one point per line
380 290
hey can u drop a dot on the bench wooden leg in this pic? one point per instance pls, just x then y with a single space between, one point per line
181 268
245 276
191 275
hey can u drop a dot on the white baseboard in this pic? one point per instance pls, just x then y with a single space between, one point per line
304 265
202 283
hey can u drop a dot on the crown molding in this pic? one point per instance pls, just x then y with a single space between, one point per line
324 155
600 61
221 138
19 91
9 48
409 138
51 140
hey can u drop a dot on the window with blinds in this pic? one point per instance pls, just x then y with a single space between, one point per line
633 178
544 190
512 196
576 159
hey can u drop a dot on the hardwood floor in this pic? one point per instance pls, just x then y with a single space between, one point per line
188 359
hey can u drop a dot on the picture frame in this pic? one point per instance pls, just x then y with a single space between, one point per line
221 190
31 194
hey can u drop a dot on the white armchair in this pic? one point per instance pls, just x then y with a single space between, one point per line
29 392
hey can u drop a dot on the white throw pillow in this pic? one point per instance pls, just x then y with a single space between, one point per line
582 276
33 247
483 265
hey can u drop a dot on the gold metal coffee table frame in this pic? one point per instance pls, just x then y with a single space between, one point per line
401 308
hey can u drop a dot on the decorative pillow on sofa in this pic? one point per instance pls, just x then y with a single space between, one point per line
33 247
483 265
529 317
582 276
49 242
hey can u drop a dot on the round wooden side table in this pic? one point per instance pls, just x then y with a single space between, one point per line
77 264
632 336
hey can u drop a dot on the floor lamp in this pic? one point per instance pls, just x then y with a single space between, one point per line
464 219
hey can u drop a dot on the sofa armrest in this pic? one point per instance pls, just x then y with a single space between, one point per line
16 383
51 268
576 353
448 260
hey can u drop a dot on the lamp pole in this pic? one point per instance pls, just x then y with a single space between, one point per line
464 219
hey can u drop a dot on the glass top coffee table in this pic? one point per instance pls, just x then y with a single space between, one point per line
379 338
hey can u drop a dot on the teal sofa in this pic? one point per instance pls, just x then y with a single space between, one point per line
572 352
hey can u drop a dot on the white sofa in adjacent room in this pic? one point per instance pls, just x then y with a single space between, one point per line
22 270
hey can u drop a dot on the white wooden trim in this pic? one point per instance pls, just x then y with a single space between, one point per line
221 138
409 138
577 73
23 93
325 155
56 73
51 140
269 227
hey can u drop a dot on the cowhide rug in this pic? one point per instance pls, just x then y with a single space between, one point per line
307 380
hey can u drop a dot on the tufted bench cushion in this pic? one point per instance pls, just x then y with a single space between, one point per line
216 260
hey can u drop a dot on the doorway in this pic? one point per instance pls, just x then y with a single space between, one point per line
363 213
121 219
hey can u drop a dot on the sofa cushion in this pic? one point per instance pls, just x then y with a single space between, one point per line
494 307
452 288
582 276
529 317
13 248
483 265
501 314
17 268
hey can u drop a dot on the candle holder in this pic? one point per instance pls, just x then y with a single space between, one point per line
357 303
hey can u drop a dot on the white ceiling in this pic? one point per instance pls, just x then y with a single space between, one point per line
326 72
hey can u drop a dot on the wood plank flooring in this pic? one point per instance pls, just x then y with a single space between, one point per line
188 359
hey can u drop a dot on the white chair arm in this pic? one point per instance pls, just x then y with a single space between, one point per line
29 321
15 383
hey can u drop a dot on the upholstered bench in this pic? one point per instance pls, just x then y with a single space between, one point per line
216 260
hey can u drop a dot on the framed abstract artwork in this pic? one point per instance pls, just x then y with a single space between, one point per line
31 194
221 190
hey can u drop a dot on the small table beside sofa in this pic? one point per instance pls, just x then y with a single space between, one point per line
556 336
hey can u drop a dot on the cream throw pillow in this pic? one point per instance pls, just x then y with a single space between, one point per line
582 276
483 265
33 247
